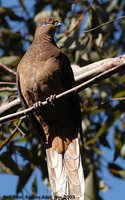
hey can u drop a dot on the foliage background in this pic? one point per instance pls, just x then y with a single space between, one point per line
103 118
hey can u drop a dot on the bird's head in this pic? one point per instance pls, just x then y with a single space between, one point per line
47 25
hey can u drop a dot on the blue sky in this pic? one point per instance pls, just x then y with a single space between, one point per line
8 184
116 185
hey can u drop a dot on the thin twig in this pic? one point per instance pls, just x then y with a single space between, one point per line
10 107
3 89
94 80
8 139
105 23
21 132
77 24
7 83
118 99
12 135
7 69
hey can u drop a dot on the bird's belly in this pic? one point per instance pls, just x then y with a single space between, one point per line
40 83
47 83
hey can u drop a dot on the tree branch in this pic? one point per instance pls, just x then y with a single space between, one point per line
9 89
7 83
81 74
7 140
10 107
7 69
105 74
85 73
76 25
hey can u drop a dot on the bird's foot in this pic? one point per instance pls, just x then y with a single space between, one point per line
38 104
51 100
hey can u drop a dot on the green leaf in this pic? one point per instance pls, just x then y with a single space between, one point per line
8 165
100 132
9 12
32 156
119 94
6 34
116 170
10 61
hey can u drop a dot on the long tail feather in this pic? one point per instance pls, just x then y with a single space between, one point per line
66 172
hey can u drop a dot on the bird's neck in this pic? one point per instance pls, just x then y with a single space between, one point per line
45 40
44 37
48 38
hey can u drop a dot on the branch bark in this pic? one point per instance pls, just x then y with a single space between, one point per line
106 73
87 76
7 83
7 69
10 89
85 73
10 107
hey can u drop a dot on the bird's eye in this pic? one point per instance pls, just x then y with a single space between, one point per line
56 22
45 23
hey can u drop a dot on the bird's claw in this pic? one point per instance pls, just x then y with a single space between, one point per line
38 104
51 100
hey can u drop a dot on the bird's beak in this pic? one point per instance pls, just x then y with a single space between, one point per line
58 24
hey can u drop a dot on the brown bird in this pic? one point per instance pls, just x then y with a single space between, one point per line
44 71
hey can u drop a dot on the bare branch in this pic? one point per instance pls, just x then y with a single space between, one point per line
8 139
81 74
85 73
21 132
105 74
118 99
76 25
103 24
10 107
7 69
3 89
12 134
7 83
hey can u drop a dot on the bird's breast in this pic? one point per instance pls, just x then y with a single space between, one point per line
46 70
41 79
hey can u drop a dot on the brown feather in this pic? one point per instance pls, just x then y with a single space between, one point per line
43 71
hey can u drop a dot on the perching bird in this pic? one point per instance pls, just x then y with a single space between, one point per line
44 71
